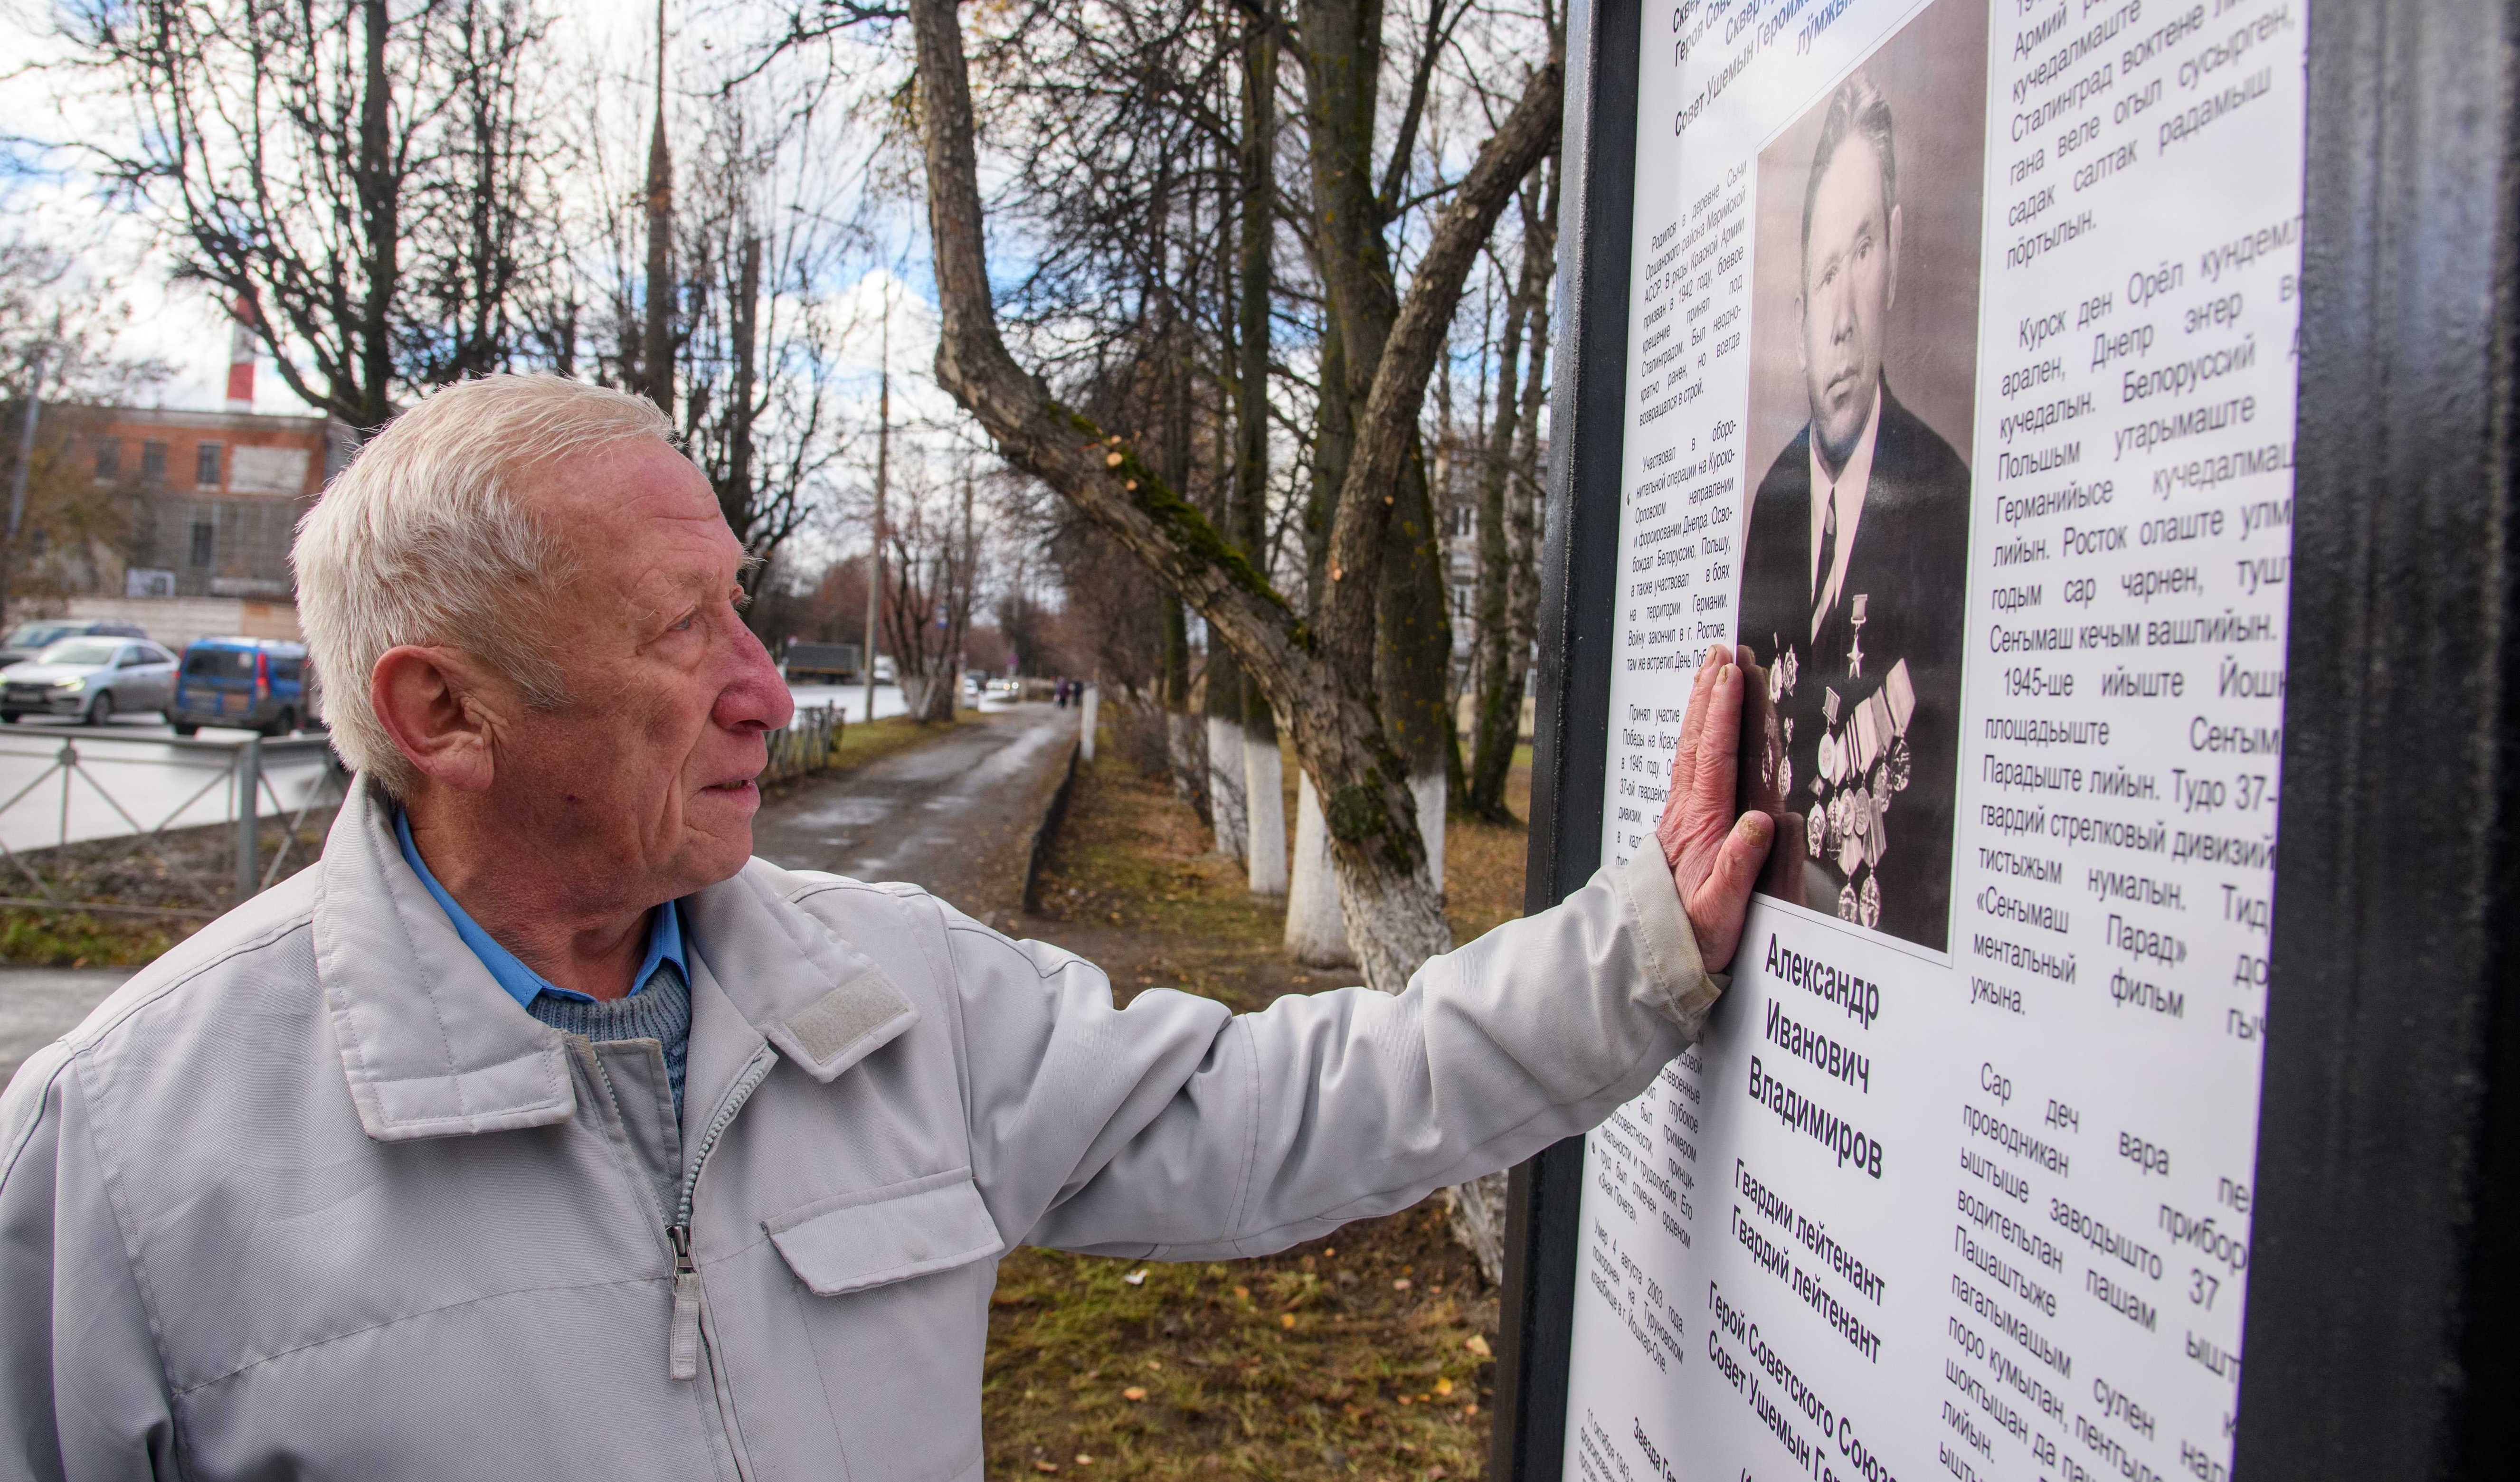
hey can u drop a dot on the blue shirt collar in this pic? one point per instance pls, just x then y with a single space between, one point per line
523 983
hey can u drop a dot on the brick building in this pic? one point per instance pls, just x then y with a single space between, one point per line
209 499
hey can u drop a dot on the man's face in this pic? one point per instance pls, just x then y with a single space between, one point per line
645 778
1850 279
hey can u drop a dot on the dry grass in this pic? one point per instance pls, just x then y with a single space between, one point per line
1362 1355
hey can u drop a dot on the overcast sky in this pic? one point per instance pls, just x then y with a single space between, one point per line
184 325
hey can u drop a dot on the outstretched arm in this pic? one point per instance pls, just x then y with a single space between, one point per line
1171 1127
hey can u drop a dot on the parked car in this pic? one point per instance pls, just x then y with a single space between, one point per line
260 683
29 639
91 678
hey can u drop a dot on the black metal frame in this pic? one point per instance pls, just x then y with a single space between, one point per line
2384 1288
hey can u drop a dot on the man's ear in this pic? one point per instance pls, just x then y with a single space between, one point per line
431 702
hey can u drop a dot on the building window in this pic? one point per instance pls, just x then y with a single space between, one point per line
1465 521
205 466
153 460
109 459
205 540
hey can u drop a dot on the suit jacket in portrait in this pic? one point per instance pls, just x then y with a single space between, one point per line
1856 742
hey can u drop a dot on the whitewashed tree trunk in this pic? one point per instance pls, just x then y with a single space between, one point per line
1429 788
1092 705
1225 786
1478 1221
1316 926
1183 750
1263 804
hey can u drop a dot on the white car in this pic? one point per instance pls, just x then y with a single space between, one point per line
91 678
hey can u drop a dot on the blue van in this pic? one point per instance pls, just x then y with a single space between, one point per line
259 684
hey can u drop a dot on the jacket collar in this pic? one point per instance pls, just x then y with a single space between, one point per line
433 1047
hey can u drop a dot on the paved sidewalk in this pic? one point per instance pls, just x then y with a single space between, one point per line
40 1004
955 815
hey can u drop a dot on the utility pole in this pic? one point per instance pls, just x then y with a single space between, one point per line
17 476
882 471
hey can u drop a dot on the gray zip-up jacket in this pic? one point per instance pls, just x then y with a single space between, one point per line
313 1197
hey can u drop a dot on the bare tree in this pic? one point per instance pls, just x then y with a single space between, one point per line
758 348
379 187
59 361
932 585
1321 681
1506 524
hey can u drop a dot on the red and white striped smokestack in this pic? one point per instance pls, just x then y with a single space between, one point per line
240 358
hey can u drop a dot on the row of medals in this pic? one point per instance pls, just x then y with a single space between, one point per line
1853 821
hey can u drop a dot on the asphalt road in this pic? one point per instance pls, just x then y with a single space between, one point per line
955 815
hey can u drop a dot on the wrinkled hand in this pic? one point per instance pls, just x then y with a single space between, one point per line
1714 855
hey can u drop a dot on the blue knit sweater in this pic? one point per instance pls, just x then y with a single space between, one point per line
661 1011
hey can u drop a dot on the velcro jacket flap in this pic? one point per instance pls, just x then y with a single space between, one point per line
853 1241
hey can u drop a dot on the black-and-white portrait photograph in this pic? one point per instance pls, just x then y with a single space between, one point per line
1863 362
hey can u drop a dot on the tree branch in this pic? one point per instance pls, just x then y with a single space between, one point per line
1408 355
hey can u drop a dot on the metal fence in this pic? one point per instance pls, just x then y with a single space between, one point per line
190 813
159 827
808 744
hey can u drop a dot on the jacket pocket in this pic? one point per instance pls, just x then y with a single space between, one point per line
853 1241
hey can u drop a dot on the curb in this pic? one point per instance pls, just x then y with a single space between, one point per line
1046 830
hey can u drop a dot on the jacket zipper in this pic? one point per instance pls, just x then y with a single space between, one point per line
683 1347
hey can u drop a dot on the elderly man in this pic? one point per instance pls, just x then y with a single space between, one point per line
540 1132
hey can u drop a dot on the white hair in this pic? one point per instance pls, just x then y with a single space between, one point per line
429 537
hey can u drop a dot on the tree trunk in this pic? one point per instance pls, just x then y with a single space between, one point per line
1322 685
1498 723
1264 791
1413 654
1316 929
1525 504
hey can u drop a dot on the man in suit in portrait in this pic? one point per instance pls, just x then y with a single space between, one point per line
1854 583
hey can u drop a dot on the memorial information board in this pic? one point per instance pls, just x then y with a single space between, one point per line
1963 353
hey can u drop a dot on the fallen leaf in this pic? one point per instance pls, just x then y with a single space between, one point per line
1400 1286
1242 1293
1082 1459
1045 1466
1436 1471
1136 1277
1403 1399
1443 1386
1470 1409
1285 1319
1479 1344
1156 1363
1111 460
1133 1393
